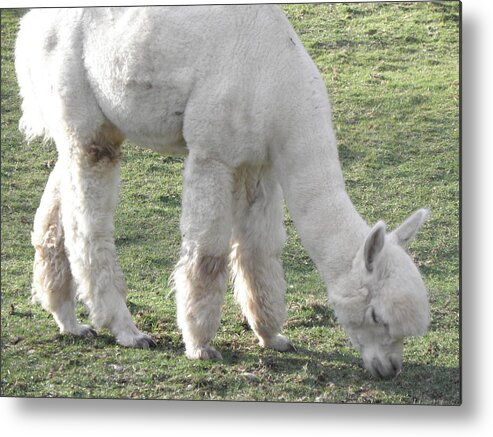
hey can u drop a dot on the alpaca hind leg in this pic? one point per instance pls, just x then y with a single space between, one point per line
89 197
258 237
200 277
52 279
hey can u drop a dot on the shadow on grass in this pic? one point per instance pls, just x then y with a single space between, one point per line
100 340
320 375
316 315
164 343
306 375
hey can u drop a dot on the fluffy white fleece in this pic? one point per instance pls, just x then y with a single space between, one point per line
232 88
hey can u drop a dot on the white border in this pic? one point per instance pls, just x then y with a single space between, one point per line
474 417
57 3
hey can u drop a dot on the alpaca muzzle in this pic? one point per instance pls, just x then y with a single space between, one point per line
385 368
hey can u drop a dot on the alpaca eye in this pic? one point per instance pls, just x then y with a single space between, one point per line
374 317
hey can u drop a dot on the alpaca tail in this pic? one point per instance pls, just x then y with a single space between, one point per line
32 77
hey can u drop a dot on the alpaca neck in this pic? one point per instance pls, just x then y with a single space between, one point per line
329 226
331 231
308 168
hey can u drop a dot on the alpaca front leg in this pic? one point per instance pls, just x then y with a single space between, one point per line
89 194
52 278
200 277
258 237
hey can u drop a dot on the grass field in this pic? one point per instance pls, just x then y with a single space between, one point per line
392 70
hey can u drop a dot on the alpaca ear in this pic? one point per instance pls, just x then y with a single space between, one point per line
406 232
374 244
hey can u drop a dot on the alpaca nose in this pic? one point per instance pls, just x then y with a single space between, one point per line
389 368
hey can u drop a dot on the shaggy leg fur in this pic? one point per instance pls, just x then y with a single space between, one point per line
52 278
258 236
89 195
200 278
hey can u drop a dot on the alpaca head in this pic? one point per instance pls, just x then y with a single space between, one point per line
383 298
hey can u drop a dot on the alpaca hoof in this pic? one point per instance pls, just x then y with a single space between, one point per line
145 342
142 341
88 332
84 331
279 343
203 353
290 347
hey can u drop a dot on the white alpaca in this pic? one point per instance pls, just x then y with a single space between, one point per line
234 89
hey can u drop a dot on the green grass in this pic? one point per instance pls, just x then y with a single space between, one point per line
392 73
